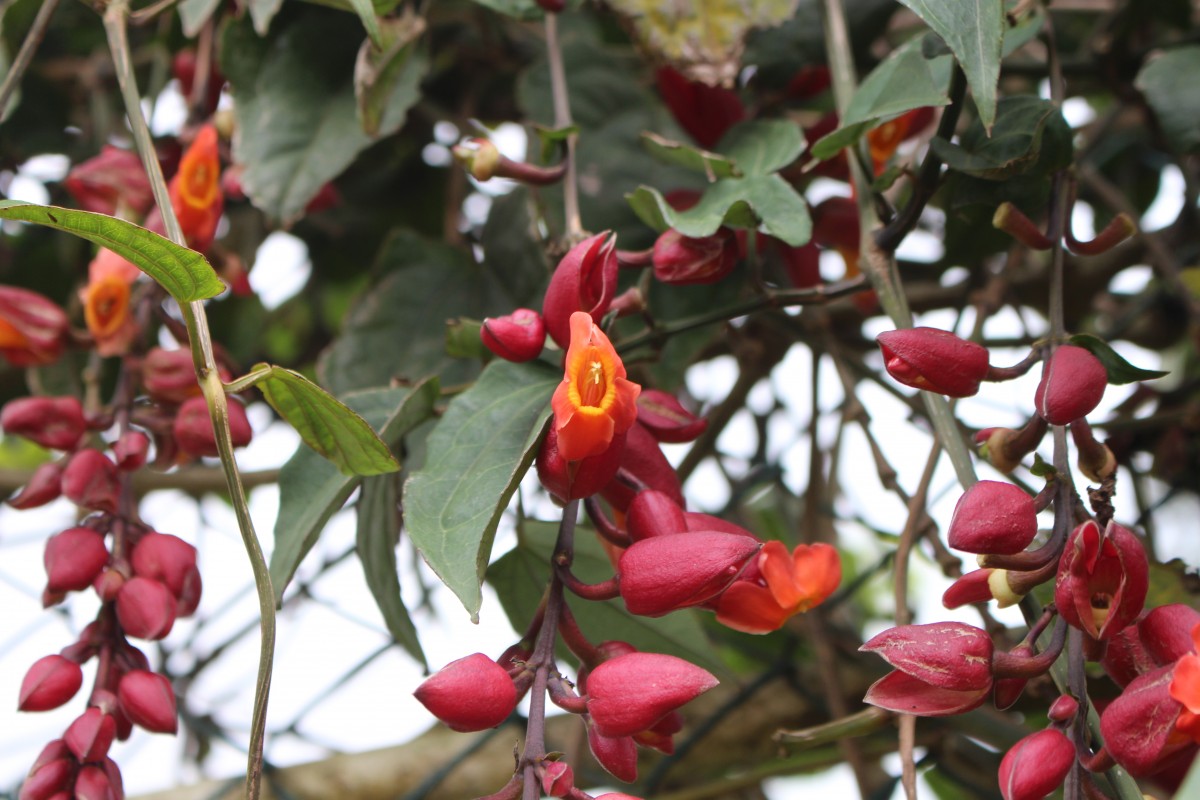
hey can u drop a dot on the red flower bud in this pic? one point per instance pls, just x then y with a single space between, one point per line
1008 690
164 558
90 481
993 517
1139 726
109 182
92 783
73 559
666 418
574 480
148 700
705 112
1126 656
1166 632
32 328
970 588
1102 579
685 260
558 779
194 432
949 655
50 682
48 776
1073 382
519 336
645 463
630 693
665 573
169 375
934 360
1063 709
617 754
55 423
145 608
44 486
130 450
1035 766
471 694
91 734
584 280
654 513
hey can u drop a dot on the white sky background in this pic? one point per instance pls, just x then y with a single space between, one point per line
323 638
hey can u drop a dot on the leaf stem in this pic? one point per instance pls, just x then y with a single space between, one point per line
115 23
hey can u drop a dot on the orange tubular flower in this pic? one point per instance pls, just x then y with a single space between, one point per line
1185 687
106 308
594 402
196 190
790 583
884 140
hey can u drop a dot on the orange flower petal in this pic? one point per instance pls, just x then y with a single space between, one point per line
818 571
777 569
10 336
750 608
594 402
1185 685
106 306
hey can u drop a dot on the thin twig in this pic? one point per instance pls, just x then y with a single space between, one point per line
562 119
25 55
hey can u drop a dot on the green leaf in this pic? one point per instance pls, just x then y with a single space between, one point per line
1025 124
262 12
366 12
762 147
712 165
512 249
378 532
194 13
184 273
382 65
311 489
973 29
477 455
766 202
1169 85
1042 468
324 423
296 111
1120 371
521 575
1191 784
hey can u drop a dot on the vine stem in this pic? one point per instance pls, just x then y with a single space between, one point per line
116 16
562 119
25 54
877 263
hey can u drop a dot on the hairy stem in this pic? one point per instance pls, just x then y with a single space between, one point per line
200 340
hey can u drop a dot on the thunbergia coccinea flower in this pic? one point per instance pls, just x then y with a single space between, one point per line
196 190
787 584
1185 688
594 403
1102 579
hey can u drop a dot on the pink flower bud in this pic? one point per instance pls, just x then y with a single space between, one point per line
50 682
1073 382
471 694
1035 766
1166 632
194 432
169 375
575 480
92 783
993 517
666 418
1102 579
33 328
617 754
44 486
934 360
55 423
189 595
664 573
653 513
107 585
148 700
519 336
114 777
91 734
584 280
685 260
165 558
1063 709
1139 726
130 450
630 693
145 608
558 779
73 559
643 461
904 694
1126 656
110 181
90 481
949 655
1008 690
48 777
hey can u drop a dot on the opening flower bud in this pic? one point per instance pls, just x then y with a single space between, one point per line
55 423
91 734
667 420
519 336
585 280
1073 382
934 360
685 260
1102 579
90 481
1035 766
33 328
